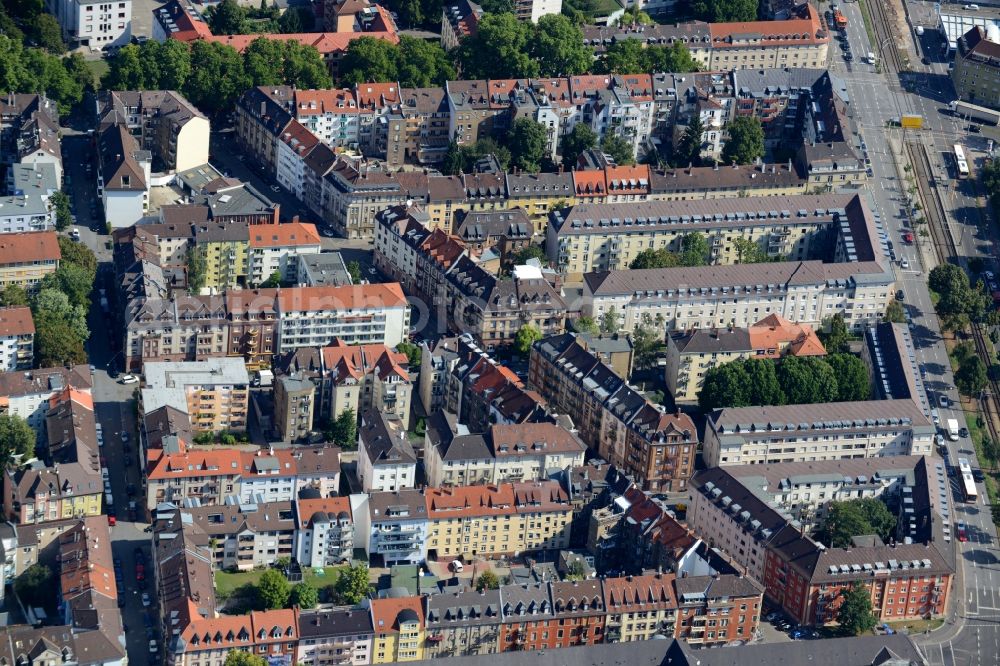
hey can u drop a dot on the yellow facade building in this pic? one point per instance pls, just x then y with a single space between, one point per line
225 248
399 629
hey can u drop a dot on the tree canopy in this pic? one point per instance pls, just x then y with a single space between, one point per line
353 585
857 517
34 70
526 336
487 581
619 148
971 378
462 158
632 56
687 152
960 302
344 431
580 139
694 251
526 141
273 589
414 63
725 11
304 596
17 440
855 614
242 658
36 586
746 140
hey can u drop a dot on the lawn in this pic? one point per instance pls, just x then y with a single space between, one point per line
916 626
329 576
99 67
226 583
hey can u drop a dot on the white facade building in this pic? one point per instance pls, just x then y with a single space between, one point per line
386 459
28 212
94 24
275 247
392 526
532 10
359 314
324 535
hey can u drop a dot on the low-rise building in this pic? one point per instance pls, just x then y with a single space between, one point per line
324 532
386 460
326 269
830 431
17 338
26 258
656 448
691 354
335 637
214 393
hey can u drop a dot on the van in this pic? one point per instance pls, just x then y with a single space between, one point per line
456 566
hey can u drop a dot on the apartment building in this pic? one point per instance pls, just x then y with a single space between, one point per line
893 370
166 124
655 448
598 237
392 527
326 269
337 637
355 192
261 117
246 536
294 406
453 456
976 73
763 529
717 610
29 394
26 258
292 147
416 127
214 392
68 483
362 314
275 249
399 629
26 212
386 459
324 531
29 133
279 474
691 354
123 174
461 624
830 431
93 24
225 248
437 360
365 377
251 317
17 339
497 519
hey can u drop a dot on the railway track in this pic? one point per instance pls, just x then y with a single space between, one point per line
883 33
947 251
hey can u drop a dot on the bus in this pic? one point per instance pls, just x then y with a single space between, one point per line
968 483
961 166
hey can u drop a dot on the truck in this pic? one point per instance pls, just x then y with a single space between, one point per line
974 112
953 429
911 121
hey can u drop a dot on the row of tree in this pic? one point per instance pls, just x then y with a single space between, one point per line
792 380
231 18
213 75
414 63
34 70
960 302
26 22
694 252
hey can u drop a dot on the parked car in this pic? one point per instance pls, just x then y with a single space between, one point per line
129 379
943 401
146 601
963 432
960 529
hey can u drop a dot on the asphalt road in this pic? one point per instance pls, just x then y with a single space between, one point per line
972 635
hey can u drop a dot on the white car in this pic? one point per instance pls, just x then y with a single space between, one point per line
146 601
905 263
153 648
129 379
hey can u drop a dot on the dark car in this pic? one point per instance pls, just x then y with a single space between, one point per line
974 129
140 556
147 621
925 60
130 489
963 432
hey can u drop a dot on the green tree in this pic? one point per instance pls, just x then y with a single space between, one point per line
79 71
725 11
50 304
959 302
894 313
675 58
227 18
498 50
763 387
654 258
970 378
746 140
635 16
273 589
297 19
263 62
580 139
647 341
422 64
522 256
526 141
626 56
197 269
273 280
241 658
619 149
412 352
217 77
78 254
610 321
345 430
991 449
126 71
48 34
695 250
852 377
60 204
353 585
807 380
13 295
834 335
487 581
726 385
688 150
72 280
175 62
498 6
558 47
37 586
304 596
855 614
354 270
17 440
57 342
526 336
857 517
586 325
575 570
749 251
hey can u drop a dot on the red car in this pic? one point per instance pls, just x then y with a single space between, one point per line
111 521
961 533
907 237
140 572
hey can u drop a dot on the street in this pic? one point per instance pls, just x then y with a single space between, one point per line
973 636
